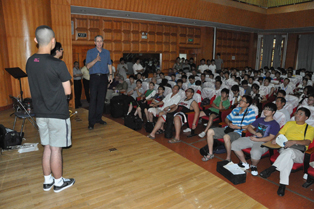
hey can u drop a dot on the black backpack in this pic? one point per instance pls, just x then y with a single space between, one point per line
149 126
9 137
118 106
169 126
133 122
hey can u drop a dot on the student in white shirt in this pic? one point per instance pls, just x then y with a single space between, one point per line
280 103
212 66
137 67
202 67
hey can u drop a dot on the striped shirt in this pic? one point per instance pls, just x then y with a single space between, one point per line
235 117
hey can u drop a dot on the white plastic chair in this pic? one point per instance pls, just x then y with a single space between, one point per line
145 86
208 93
168 90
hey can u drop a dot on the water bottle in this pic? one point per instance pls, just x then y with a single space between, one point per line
29 107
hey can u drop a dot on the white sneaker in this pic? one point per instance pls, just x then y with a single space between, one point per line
186 130
205 124
244 165
202 135
254 171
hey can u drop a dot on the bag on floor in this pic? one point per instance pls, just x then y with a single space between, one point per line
9 137
133 122
218 148
149 126
118 106
169 125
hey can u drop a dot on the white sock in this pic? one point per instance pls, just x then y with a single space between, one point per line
59 182
48 179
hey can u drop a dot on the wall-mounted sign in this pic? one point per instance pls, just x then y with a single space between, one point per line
144 35
82 35
233 58
190 40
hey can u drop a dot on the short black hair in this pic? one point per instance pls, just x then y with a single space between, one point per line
282 100
132 76
235 88
163 88
268 78
152 83
58 46
255 86
244 82
248 99
139 81
179 81
219 81
225 90
306 111
287 79
282 91
271 106
260 79
198 83
121 59
191 90
191 77
184 76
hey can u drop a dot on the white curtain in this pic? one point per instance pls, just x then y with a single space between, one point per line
267 49
277 52
306 52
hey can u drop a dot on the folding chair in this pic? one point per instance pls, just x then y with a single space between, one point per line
22 113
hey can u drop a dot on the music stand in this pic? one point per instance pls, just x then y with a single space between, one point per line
17 73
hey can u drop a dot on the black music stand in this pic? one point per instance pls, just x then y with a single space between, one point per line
17 73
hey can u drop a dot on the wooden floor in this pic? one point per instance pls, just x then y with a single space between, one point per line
142 173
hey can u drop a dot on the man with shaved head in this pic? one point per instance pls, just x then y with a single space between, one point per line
49 82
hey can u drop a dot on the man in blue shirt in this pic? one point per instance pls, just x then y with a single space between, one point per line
99 64
238 120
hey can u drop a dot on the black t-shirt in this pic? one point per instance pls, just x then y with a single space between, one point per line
45 76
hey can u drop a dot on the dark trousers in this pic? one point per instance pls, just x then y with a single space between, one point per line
86 88
98 89
77 92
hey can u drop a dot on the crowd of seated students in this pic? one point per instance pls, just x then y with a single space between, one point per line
276 93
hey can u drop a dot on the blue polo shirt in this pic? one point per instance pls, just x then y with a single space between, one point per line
101 66
235 117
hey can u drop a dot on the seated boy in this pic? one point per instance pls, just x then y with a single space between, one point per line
266 129
220 103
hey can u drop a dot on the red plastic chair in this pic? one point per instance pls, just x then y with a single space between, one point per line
296 166
309 157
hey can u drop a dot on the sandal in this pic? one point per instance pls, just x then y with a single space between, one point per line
149 136
160 131
174 140
208 157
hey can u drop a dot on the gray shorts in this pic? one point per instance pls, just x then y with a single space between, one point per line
54 132
245 142
219 133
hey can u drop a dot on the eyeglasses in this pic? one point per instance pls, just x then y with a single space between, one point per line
243 101
61 49
268 109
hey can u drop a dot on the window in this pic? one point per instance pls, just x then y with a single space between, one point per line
272 52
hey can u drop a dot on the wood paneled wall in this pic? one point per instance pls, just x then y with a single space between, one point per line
234 43
20 21
5 78
193 9
125 36
61 25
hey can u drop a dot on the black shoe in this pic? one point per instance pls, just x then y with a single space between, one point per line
267 172
90 127
47 187
281 190
102 122
66 184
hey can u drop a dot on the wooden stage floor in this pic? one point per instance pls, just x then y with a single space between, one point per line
141 173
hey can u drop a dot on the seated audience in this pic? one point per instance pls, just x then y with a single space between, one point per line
247 87
220 103
237 121
286 87
191 80
236 96
159 96
280 103
150 93
299 134
264 129
167 103
136 92
180 118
